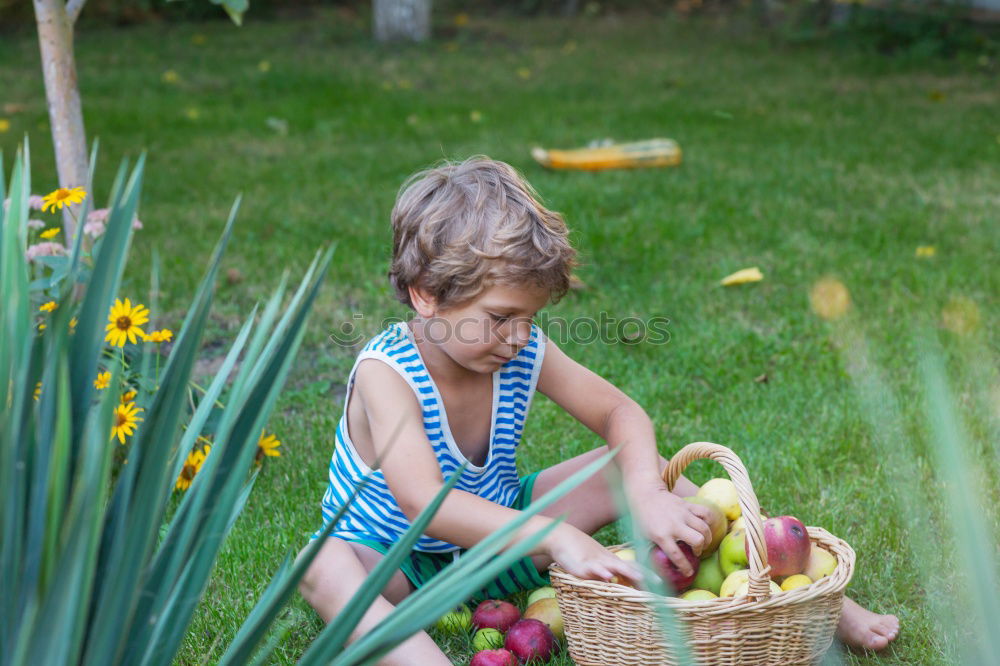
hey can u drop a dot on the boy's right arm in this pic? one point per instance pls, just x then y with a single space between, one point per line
411 470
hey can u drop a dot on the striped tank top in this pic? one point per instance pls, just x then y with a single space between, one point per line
375 514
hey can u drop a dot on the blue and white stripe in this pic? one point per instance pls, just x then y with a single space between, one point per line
375 515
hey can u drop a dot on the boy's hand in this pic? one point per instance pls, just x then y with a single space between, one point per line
581 555
666 519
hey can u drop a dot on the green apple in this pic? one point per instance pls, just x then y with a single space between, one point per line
733 582
487 639
546 592
709 576
722 492
732 552
717 522
699 595
456 621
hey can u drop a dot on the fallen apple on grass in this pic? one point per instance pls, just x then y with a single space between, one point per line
456 621
487 639
547 611
495 614
546 592
499 657
531 639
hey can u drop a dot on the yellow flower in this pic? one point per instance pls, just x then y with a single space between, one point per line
49 233
128 396
475 116
461 19
171 76
264 66
102 381
267 446
4 124
126 417
191 467
64 196
925 251
47 307
72 323
163 335
192 113
38 391
124 321
524 73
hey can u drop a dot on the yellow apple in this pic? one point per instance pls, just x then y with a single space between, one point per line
717 523
723 493
547 592
547 611
821 563
626 554
698 595
740 523
744 589
733 581
797 580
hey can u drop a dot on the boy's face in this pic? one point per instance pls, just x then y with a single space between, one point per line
488 331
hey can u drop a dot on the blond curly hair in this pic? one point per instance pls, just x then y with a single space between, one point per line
461 227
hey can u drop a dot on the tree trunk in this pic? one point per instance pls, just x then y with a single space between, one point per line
400 19
55 39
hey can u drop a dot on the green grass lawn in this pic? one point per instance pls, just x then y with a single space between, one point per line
804 161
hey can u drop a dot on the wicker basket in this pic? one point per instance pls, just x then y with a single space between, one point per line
609 625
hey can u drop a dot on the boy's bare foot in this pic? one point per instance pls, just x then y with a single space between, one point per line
861 628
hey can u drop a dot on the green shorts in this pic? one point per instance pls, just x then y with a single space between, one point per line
421 567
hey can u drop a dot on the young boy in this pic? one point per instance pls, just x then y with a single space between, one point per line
477 256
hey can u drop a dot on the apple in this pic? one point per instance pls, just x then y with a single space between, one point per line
699 595
733 581
723 493
717 522
733 552
821 563
456 621
531 639
709 576
744 588
547 611
787 543
740 523
487 639
494 658
627 554
495 614
546 592
794 581
670 573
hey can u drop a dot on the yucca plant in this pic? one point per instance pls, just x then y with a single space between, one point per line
91 569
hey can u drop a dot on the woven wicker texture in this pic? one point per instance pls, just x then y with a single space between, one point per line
609 625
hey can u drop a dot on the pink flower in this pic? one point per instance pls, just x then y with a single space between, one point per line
36 224
47 249
99 215
36 201
136 224
92 228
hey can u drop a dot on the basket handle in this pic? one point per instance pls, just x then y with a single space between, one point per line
759 570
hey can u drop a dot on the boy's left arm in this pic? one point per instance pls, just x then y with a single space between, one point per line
620 421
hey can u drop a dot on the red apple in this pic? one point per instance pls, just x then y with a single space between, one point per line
495 614
787 542
670 573
531 639
499 657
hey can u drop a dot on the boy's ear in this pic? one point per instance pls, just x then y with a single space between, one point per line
423 303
